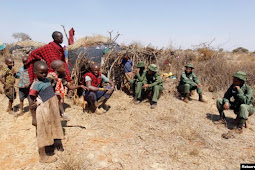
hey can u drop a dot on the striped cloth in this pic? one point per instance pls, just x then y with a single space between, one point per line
23 75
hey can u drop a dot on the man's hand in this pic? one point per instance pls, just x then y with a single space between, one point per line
237 87
110 90
137 71
84 87
6 86
198 85
145 86
13 70
33 106
226 106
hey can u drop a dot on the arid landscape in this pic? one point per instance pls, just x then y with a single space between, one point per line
175 135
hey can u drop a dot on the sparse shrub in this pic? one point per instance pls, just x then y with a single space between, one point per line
21 36
206 53
240 50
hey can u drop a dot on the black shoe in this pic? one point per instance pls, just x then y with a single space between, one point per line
138 102
153 105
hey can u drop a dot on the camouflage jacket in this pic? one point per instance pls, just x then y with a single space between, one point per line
242 96
188 79
139 77
152 80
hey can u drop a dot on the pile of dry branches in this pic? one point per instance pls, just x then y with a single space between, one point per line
135 52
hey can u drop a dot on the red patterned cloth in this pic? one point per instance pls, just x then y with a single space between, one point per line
59 89
71 34
95 81
48 53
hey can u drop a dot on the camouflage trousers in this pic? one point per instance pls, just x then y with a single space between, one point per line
155 89
186 88
244 111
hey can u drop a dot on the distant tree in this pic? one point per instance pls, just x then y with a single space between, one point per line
221 50
240 50
21 36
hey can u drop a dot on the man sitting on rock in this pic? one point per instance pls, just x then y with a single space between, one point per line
97 95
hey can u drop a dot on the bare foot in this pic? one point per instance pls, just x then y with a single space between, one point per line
19 114
11 112
65 118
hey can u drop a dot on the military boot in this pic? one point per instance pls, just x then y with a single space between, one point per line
223 118
186 98
239 128
201 99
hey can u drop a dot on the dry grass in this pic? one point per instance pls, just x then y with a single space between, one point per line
29 43
194 152
70 161
88 41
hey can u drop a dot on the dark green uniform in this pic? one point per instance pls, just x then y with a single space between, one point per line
188 82
243 104
138 78
155 84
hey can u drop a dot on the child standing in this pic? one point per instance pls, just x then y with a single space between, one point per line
45 113
24 83
8 79
58 82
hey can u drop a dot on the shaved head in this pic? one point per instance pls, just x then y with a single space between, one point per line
55 34
8 59
95 68
96 65
39 65
56 64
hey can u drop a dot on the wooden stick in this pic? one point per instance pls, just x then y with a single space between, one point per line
65 32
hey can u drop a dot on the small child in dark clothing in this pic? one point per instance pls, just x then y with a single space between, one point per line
24 83
8 79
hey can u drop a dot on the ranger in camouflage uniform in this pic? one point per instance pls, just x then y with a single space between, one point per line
151 82
189 82
243 104
139 76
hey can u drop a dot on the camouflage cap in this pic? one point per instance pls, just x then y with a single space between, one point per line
140 64
240 75
153 68
189 65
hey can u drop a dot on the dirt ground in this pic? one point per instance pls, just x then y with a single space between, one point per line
175 135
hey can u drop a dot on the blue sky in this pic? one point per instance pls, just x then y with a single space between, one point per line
180 23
